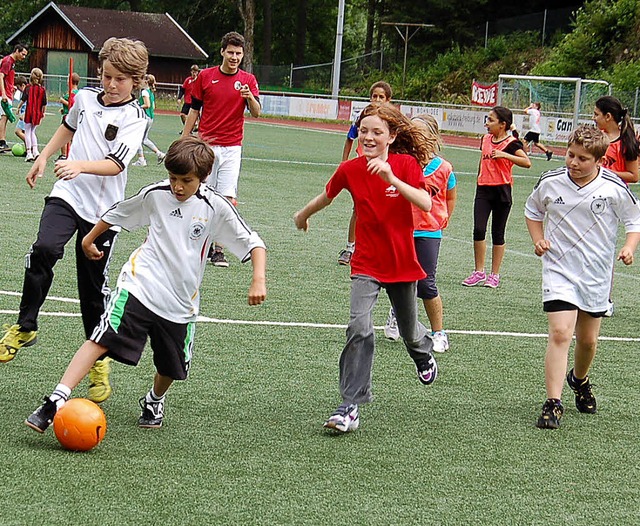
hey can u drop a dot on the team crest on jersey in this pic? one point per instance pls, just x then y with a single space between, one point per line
111 132
598 205
391 191
237 85
196 230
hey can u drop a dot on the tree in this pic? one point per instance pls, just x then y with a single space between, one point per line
247 10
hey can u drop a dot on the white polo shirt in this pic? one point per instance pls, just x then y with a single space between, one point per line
581 223
100 132
166 271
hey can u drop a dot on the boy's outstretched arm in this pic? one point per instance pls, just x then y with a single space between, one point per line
630 245
88 242
258 287
301 217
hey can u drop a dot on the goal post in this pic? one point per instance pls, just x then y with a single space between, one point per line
572 96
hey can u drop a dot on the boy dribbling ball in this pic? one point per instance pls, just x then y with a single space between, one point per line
157 294
572 216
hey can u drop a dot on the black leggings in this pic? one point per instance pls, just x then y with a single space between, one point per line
494 200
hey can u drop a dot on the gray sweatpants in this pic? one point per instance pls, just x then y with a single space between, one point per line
356 360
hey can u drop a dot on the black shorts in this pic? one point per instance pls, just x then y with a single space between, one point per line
560 305
185 109
532 136
123 330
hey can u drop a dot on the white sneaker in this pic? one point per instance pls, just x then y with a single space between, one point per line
161 157
609 312
140 162
391 327
344 419
29 158
440 341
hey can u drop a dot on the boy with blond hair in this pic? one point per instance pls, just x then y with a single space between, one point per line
572 216
157 293
107 125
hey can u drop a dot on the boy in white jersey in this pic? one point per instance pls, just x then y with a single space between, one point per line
572 216
157 293
107 126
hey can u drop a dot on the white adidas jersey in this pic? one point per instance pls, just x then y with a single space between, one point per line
100 132
166 271
581 223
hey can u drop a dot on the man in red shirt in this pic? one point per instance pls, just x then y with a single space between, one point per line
220 96
7 76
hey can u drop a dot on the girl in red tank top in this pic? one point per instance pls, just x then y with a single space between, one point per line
500 151
622 154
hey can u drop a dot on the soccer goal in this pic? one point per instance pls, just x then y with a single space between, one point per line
570 97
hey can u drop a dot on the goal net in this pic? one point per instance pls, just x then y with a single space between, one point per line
558 95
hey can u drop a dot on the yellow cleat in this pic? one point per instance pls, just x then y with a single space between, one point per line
99 387
13 340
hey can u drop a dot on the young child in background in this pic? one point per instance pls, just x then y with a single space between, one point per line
67 101
499 152
384 182
427 233
533 135
107 125
35 97
21 84
157 295
379 92
572 216
148 103
622 153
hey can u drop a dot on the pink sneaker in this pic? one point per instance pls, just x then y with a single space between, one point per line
477 278
493 280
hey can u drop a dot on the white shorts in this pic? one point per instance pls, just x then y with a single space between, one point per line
226 170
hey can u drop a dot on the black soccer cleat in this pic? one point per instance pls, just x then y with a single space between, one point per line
42 417
585 401
152 413
552 411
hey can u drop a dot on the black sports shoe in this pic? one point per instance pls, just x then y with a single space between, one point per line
585 401
427 369
549 155
152 413
551 414
42 417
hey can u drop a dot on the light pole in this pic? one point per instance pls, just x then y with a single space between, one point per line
405 37
337 59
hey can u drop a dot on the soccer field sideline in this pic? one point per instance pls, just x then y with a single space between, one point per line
315 325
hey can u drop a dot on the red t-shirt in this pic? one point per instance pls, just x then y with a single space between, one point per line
7 67
36 98
384 221
187 88
222 116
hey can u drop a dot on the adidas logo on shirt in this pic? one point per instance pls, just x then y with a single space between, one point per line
176 213
559 201
98 113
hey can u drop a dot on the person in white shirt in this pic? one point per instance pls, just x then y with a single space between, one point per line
572 216
533 135
107 126
157 295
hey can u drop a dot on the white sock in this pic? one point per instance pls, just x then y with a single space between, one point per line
153 398
60 395
351 247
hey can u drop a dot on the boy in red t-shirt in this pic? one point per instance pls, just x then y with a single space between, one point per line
384 182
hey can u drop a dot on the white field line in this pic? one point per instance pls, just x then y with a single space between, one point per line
206 319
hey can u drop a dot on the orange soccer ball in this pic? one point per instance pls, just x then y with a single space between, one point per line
79 425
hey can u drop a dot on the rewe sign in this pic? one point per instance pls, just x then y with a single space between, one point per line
482 95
